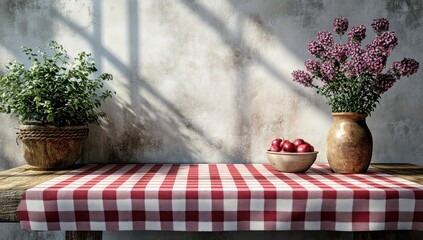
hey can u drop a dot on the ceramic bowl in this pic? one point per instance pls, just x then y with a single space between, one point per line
291 162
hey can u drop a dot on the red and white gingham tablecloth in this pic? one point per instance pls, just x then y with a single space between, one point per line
220 197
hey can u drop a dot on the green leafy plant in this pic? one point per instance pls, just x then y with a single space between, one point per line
55 90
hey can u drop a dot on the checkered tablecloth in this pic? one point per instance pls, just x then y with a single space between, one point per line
220 197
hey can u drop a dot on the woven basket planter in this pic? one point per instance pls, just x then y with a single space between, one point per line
51 147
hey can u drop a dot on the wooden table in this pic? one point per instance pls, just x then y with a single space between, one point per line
14 182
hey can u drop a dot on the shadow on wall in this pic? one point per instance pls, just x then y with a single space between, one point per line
5 161
149 132
145 134
140 129
24 23
245 53
242 51
9 149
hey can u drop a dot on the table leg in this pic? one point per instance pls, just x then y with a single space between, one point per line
375 235
82 235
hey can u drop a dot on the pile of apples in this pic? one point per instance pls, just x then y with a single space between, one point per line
284 145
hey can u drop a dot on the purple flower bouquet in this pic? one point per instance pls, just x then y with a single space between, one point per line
352 77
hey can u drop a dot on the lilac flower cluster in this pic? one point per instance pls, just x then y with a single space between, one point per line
357 33
380 25
315 48
340 25
339 52
374 63
354 49
350 63
302 78
356 64
406 67
325 38
383 44
312 66
328 71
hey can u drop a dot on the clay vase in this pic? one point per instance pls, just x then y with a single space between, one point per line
51 147
349 143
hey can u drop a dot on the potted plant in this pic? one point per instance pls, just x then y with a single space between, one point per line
352 79
55 98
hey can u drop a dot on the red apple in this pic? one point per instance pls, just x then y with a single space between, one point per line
288 146
276 142
298 142
311 147
283 142
303 148
275 148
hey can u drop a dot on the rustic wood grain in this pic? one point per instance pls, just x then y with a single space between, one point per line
9 200
375 235
13 184
83 235
410 172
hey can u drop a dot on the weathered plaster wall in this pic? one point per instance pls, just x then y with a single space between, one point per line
209 81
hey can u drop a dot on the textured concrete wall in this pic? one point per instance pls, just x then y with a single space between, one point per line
209 81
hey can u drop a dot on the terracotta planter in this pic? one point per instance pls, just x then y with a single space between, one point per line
51 147
349 143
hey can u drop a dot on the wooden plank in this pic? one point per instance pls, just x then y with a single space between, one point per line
13 184
375 235
410 172
9 201
83 235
